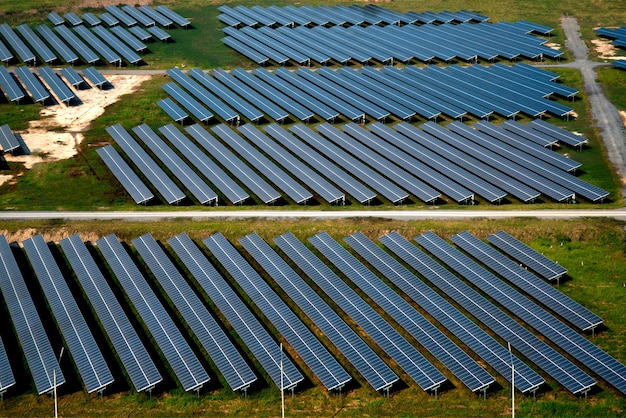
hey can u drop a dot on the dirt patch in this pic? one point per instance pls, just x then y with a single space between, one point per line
60 132
84 4
605 49
53 236
553 45
622 114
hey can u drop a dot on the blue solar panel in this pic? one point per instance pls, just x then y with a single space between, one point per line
354 166
271 43
527 134
567 339
306 175
244 49
8 140
238 168
5 54
73 19
308 51
107 53
188 178
120 47
95 77
156 16
441 347
227 186
110 20
55 19
496 355
138 16
141 34
159 33
57 44
184 362
33 84
42 361
23 52
323 50
189 103
81 344
121 15
178 19
91 19
550 297
327 369
173 110
235 14
6 374
38 45
72 76
526 255
220 348
250 330
86 53
543 355
125 175
266 167
338 332
560 134
58 86
164 185
10 87
129 347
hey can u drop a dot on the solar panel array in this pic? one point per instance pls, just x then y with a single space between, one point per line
8 140
7 379
34 86
327 369
616 35
438 344
87 356
159 323
15 42
41 359
125 175
130 349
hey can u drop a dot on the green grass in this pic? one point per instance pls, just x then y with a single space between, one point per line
592 250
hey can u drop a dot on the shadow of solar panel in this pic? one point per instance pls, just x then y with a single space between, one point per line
42 362
81 344
131 351
496 355
327 369
543 355
338 332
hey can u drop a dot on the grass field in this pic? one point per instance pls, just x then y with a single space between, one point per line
592 250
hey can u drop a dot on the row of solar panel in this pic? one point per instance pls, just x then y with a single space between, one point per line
54 84
617 35
9 142
454 91
127 15
95 44
191 373
367 164
467 42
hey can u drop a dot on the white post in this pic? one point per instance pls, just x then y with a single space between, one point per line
282 390
512 383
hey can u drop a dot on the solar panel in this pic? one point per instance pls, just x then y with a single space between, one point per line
57 44
537 351
249 329
322 164
91 19
355 307
188 178
86 53
156 16
429 337
192 105
138 16
327 369
72 76
354 166
323 49
28 327
306 175
125 175
155 175
8 140
400 176
158 322
110 20
95 77
5 54
526 255
533 286
226 95
10 87
25 54
107 53
81 344
308 51
567 339
496 355
205 165
33 84
173 110
159 33
221 350
129 347
212 102
178 19
362 357
121 15
58 86
55 19
73 19
562 135
6 374
38 45
130 39
235 14
403 353
245 50
256 159
238 168
121 48
141 34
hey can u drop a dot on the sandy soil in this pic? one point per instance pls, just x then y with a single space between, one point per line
83 4
623 116
59 133
605 49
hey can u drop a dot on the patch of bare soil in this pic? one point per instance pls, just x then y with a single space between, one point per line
553 45
605 49
83 4
56 236
623 116
59 133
